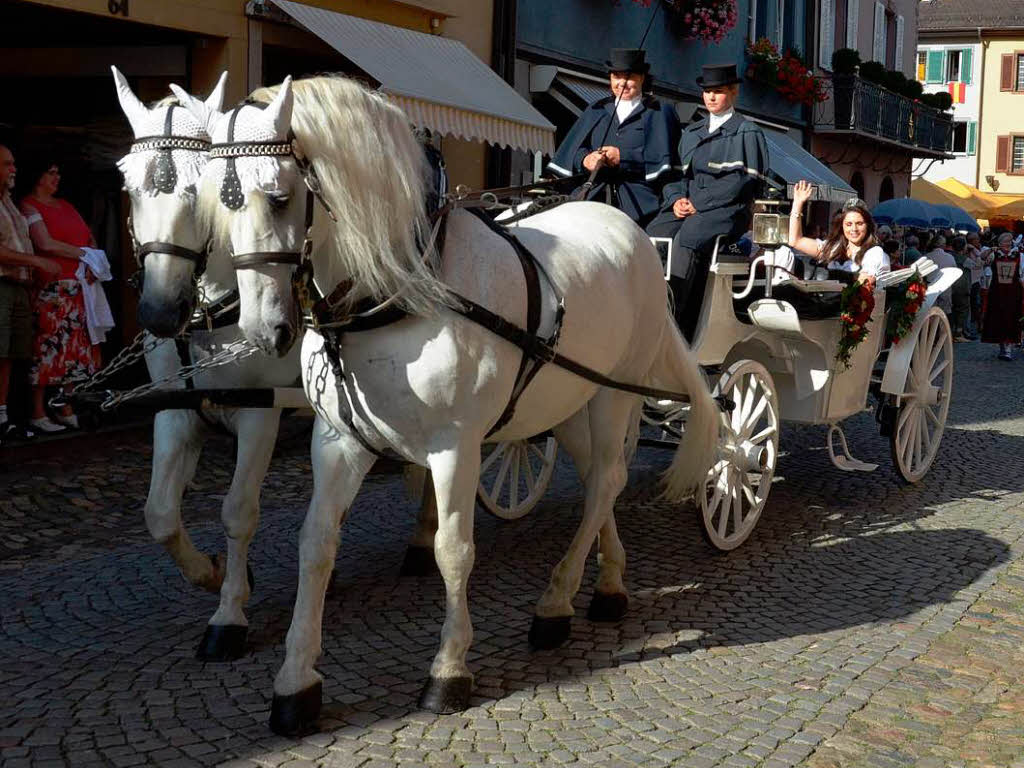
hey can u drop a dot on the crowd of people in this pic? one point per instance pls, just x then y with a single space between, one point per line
53 313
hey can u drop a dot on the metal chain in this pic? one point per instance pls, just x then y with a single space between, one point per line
233 352
135 351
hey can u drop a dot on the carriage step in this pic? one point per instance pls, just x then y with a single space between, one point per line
846 462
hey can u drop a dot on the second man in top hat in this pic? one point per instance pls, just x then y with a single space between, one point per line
724 158
628 137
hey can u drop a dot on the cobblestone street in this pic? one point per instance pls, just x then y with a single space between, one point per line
865 622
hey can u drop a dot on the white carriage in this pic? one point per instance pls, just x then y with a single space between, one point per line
777 362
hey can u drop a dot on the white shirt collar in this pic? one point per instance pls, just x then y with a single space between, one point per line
625 108
715 121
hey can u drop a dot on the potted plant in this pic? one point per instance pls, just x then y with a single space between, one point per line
845 63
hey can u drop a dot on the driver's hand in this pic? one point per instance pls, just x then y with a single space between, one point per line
611 155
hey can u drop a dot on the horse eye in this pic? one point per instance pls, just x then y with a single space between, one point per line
278 199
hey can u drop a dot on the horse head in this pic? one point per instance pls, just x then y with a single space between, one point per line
161 171
252 199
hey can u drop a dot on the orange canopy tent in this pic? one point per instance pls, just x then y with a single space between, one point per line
989 205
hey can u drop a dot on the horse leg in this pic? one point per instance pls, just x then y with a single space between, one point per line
456 474
339 465
610 599
609 414
177 442
419 556
225 635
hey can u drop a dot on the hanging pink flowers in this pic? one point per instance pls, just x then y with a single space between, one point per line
707 20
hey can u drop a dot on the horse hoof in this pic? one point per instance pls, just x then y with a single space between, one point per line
296 715
446 696
549 632
222 643
607 606
419 562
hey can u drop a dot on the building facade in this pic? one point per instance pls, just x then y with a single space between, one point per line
954 66
60 102
870 135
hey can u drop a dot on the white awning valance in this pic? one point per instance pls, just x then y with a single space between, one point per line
439 83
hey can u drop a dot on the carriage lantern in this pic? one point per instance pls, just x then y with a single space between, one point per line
771 228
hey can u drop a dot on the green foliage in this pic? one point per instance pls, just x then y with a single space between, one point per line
912 89
845 61
873 72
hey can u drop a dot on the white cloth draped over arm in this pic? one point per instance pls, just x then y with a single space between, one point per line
98 317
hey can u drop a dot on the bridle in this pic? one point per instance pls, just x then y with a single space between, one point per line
165 179
232 196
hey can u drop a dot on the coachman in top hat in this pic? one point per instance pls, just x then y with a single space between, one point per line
629 135
723 159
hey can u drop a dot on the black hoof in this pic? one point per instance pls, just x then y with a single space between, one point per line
547 633
419 562
296 715
607 606
446 696
222 643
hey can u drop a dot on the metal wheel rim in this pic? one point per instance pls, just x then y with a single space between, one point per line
920 423
733 498
514 476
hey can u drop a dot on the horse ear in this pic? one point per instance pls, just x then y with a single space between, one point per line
215 101
133 109
279 112
206 116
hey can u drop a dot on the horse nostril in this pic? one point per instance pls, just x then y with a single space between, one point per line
283 337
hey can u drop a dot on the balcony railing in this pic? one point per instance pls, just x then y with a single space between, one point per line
858 106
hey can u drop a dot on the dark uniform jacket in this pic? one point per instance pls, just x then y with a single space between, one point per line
722 173
647 141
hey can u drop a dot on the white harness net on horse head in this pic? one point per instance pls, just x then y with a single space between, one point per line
142 167
254 172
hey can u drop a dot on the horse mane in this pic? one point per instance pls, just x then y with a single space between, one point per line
373 173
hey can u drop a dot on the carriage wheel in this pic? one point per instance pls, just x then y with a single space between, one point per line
748 443
514 475
924 403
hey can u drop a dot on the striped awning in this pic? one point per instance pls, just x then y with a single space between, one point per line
438 82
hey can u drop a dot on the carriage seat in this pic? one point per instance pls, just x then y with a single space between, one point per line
808 299
723 252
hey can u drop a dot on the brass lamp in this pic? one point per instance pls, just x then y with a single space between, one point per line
771 227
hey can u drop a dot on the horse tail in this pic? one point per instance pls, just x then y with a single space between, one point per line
677 368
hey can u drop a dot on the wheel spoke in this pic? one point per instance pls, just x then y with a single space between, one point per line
723 521
931 415
755 415
926 438
935 351
499 449
513 500
748 491
737 508
538 453
905 432
904 415
739 397
917 443
499 482
937 370
528 476
763 434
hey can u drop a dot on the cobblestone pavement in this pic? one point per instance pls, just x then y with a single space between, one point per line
865 622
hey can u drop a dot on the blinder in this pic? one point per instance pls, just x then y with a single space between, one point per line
165 179
232 196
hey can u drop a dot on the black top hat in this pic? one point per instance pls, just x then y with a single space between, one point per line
717 75
627 60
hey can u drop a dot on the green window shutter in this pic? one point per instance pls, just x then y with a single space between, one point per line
933 72
965 65
972 138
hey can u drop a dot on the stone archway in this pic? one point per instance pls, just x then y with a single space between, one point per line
857 182
885 190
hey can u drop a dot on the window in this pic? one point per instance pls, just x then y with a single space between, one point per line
922 65
890 41
953 67
960 138
1011 72
885 190
1017 161
840 24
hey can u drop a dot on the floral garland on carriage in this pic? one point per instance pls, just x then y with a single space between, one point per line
856 304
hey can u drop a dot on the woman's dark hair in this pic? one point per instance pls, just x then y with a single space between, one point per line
835 244
30 172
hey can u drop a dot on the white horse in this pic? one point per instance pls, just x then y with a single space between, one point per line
163 214
430 386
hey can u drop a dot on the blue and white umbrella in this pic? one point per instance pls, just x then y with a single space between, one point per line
961 220
906 212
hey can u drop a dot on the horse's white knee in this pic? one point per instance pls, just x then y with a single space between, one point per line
240 515
163 522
